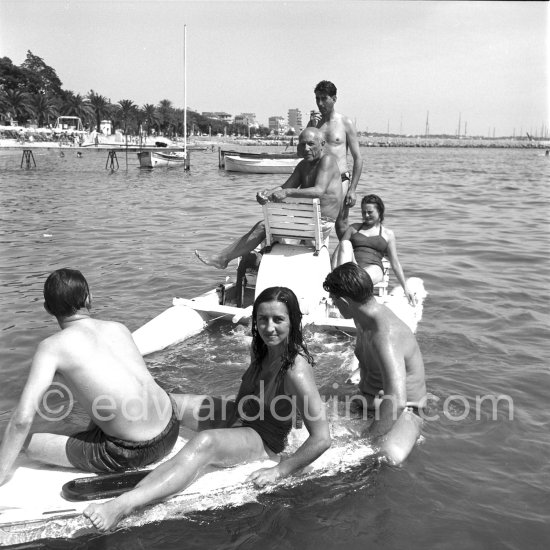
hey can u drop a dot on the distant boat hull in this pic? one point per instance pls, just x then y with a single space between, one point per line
256 154
254 165
152 159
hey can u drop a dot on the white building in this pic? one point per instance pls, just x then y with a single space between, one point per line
218 115
295 120
277 124
248 119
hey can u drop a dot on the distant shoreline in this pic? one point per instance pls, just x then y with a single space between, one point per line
379 141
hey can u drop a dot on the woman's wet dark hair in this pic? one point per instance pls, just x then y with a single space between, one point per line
295 343
376 200
65 292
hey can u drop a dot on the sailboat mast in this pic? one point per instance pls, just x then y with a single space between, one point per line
185 90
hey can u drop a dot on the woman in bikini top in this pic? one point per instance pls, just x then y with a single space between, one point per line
368 242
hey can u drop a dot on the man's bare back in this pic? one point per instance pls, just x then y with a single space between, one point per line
392 369
107 375
389 337
133 420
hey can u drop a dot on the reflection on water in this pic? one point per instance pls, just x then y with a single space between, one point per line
472 223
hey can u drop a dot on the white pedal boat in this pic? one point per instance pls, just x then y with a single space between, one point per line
31 504
300 260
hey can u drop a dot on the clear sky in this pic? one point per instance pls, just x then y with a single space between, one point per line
392 61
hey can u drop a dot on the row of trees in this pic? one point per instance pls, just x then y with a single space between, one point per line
33 93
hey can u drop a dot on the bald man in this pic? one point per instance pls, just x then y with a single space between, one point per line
317 176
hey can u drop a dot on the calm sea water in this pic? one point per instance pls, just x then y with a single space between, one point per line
472 223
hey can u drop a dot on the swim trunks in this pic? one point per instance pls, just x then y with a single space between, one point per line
371 411
346 181
415 409
95 451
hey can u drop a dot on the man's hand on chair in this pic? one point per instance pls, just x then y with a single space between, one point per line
279 195
263 196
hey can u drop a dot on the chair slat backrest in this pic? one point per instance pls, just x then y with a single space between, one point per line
294 219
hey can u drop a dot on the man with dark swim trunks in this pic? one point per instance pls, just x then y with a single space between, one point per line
340 135
390 362
98 364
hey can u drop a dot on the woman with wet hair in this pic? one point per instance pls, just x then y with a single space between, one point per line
278 383
366 243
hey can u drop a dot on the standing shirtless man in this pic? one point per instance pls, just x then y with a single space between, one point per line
133 419
340 135
315 177
390 362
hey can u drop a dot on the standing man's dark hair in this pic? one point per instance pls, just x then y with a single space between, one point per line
325 87
349 281
65 292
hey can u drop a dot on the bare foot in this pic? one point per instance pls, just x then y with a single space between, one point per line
214 260
104 516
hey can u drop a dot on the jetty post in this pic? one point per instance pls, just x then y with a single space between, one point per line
26 158
112 161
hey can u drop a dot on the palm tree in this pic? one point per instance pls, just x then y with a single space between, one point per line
17 104
100 106
42 106
165 114
77 105
127 110
150 116
178 119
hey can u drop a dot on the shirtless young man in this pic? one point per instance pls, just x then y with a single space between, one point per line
133 421
317 176
390 362
340 135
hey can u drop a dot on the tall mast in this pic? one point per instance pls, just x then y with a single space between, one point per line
427 131
185 90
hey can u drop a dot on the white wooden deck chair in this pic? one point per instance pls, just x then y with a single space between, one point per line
298 219
301 264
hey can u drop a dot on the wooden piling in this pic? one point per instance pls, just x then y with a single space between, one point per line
112 160
26 158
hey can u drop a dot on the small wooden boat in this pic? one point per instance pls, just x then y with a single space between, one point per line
152 159
262 165
222 153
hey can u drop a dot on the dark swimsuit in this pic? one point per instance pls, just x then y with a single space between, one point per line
267 410
95 451
369 250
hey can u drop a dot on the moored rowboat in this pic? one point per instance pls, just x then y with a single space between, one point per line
150 159
260 165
